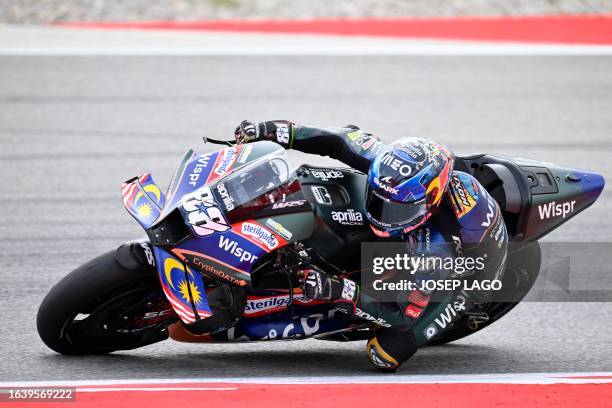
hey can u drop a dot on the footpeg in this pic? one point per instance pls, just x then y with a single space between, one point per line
477 317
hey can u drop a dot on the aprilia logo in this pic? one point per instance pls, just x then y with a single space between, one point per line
365 315
228 200
325 175
348 217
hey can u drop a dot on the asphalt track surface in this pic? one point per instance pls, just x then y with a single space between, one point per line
73 128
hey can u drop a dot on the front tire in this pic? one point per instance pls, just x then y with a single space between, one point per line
79 314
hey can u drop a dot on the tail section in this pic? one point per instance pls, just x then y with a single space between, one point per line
558 194
536 197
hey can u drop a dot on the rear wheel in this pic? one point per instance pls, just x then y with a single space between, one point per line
521 273
105 305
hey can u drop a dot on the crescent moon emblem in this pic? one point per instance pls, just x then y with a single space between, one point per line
169 265
149 188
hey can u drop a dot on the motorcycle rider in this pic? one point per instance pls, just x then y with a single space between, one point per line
413 195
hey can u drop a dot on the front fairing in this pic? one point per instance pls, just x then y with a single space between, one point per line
184 287
197 235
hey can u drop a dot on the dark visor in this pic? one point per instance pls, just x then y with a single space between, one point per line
390 213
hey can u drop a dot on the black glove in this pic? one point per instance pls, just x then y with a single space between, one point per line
246 132
319 285
342 293
278 131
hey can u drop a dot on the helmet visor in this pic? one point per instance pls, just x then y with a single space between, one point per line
392 214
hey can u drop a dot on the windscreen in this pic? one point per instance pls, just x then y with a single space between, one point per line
263 179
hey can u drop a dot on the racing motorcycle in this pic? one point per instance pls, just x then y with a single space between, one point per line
223 243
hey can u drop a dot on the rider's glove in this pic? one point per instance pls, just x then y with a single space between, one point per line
317 285
320 286
279 131
246 132
342 292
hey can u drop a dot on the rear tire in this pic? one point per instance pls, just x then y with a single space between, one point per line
520 275
99 290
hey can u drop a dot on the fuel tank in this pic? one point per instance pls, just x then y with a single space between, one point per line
338 197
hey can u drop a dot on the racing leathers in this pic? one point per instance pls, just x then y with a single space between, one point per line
468 223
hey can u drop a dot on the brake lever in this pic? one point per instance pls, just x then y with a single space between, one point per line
219 142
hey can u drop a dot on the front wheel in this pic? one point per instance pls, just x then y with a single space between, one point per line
104 306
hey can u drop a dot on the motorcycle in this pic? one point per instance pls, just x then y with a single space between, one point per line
223 244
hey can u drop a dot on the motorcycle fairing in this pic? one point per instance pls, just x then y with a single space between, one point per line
299 322
198 170
557 194
184 289
230 255
191 174
143 199
536 197
316 320
259 235
266 302
202 213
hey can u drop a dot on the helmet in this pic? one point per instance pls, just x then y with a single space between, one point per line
406 182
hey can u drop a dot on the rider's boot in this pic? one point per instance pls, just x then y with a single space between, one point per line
390 347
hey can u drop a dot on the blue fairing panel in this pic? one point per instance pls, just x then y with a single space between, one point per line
143 199
183 287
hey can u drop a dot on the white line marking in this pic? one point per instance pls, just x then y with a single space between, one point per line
518 378
488 49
